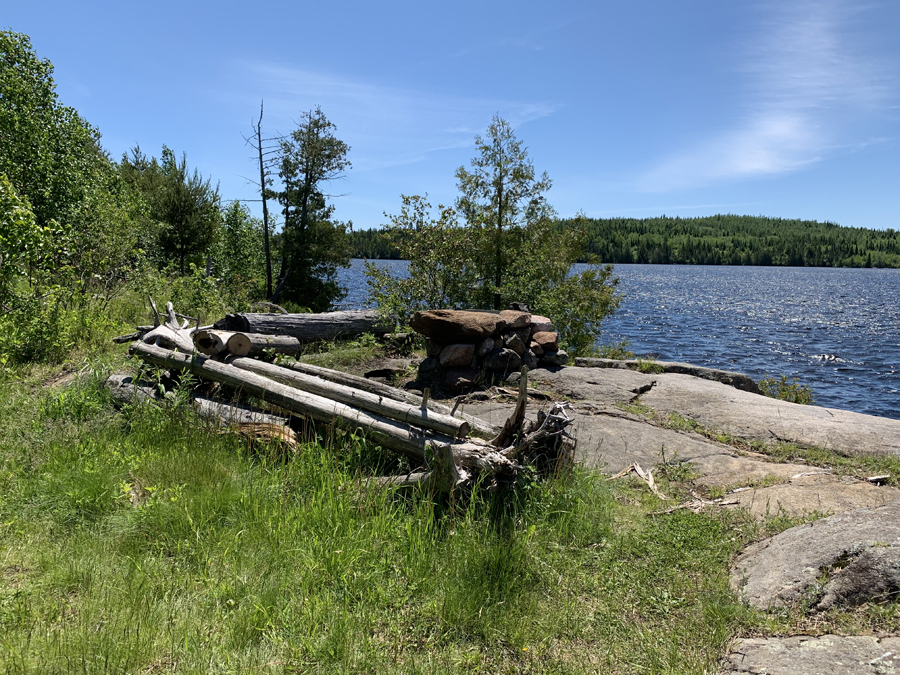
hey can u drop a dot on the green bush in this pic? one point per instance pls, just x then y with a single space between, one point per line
783 390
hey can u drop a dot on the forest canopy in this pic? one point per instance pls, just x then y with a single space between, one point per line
711 240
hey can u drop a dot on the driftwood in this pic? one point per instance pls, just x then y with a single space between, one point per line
403 412
479 427
306 327
210 342
170 334
256 344
382 430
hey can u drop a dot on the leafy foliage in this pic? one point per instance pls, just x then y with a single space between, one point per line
509 250
313 244
785 390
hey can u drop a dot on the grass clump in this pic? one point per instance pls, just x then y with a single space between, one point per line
147 541
784 390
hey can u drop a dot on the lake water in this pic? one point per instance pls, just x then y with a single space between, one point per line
837 330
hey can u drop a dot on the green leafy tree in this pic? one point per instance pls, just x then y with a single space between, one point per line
313 244
510 249
48 152
185 206
240 251
441 273
500 197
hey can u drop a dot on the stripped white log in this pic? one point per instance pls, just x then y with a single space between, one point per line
256 344
403 412
384 431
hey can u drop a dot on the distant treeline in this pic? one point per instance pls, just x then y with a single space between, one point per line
712 240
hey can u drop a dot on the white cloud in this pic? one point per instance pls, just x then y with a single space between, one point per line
385 125
809 85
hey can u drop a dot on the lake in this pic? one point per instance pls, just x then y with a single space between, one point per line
835 329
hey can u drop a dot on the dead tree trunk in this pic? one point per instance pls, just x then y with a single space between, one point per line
306 327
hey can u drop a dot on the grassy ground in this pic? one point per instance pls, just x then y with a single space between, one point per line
144 541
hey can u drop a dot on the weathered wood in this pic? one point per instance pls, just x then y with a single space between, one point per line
234 414
125 390
384 431
514 422
403 412
170 334
478 426
256 344
307 327
210 342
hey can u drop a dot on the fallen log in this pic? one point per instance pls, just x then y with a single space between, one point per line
384 431
478 426
210 342
256 344
306 327
402 412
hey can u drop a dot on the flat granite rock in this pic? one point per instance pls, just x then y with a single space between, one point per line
845 559
755 417
813 491
823 655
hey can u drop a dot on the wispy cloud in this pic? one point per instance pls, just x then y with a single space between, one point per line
809 80
385 125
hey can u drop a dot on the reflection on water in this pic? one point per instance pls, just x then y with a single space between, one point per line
836 329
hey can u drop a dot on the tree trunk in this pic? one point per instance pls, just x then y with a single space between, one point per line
381 430
306 327
211 342
265 208
402 412
257 344
479 428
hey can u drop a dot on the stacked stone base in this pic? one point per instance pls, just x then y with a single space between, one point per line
466 349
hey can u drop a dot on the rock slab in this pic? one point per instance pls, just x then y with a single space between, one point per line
807 655
845 559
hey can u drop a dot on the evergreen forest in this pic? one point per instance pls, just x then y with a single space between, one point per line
711 240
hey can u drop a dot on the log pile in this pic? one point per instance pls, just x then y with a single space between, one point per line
465 348
453 451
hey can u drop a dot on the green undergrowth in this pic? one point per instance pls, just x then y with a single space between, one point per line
145 541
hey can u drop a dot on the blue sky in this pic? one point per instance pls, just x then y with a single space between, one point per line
635 109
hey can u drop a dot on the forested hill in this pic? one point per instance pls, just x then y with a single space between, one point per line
712 240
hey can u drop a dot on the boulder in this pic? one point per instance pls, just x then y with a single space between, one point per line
529 360
484 347
845 559
555 358
457 355
822 655
536 348
447 326
429 366
502 359
540 324
432 348
459 380
547 340
515 319
515 343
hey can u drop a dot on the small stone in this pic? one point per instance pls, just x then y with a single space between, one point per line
549 341
513 377
459 380
513 342
432 348
529 360
515 319
457 356
540 324
502 359
486 346
536 348
555 358
429 365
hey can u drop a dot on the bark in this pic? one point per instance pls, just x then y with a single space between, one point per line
402 412
306 327
256 344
